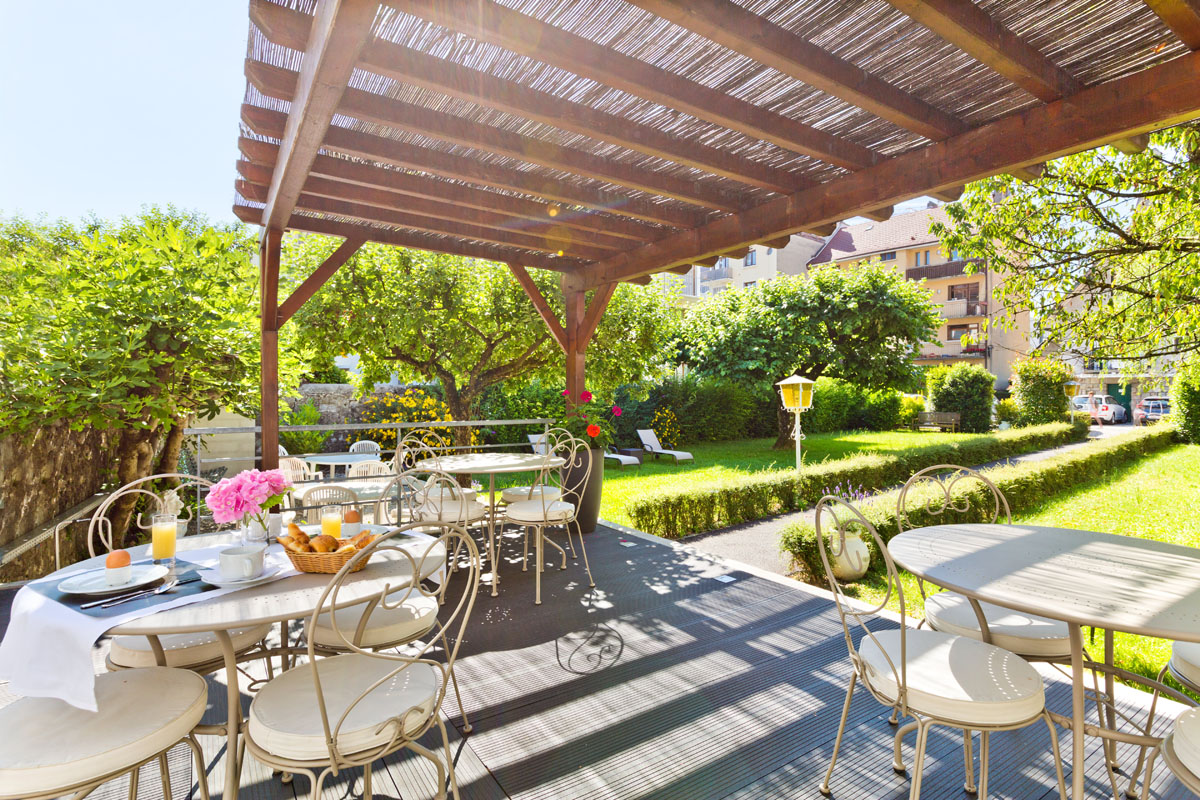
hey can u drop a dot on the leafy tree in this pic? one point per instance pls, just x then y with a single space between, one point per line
133 327
1104 249
966 389
1185 401
863 325
466 324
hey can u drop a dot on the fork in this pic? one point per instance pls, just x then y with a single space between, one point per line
166 587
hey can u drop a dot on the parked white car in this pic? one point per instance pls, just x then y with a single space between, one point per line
1110 410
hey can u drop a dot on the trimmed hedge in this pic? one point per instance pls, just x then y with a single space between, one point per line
1024 486
839 405
965 389
678 512
1185 401
1038 389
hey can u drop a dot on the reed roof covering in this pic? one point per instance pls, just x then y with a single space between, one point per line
611 139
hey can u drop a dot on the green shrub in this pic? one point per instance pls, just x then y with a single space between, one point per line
707 410
843 406
678 512
1038 389
323 369
1023 485
1008 411
909 408
966 389
298 442
1185 401
533 400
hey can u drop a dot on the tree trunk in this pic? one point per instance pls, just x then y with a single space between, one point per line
135 453
786 421
168 462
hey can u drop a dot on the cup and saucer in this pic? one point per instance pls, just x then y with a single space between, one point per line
240 567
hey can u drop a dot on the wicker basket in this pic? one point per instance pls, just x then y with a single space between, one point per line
325 563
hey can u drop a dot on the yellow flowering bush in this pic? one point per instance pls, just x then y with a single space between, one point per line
408 405
666 426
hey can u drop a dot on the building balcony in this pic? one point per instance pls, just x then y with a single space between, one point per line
948 270
957 309
707 274
954 348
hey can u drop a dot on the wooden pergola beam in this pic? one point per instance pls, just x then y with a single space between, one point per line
282 83
339 31
624 216
318 278
434 225
1156 97
289 28
488 21
252 215
1182 17
427 206
745 32
539 302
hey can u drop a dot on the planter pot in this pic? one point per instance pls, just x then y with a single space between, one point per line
853 560
585 495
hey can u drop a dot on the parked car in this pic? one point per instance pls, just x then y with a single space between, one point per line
1151 409
1110 410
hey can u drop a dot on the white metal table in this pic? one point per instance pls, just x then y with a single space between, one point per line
335 460
278 601
491 464
1117 583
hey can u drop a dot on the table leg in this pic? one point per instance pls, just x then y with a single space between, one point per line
1077 713
233 724
493 547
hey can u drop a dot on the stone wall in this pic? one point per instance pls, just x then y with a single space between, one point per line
338 406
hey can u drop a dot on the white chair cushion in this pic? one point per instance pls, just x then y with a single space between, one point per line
955 678
446 493
182 649
1185 659
285 718
50 746
1025 634
517 494
449 510
536 511
410 619
1186 739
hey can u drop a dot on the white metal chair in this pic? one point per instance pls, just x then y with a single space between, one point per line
933 677
313 499
544 510
650 445
547 491
198 652
365 446
53 749
353 709
1180 751
1030 636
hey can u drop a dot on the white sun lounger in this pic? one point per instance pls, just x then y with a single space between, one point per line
537 442
651 445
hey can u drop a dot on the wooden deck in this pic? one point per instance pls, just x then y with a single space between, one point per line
667 682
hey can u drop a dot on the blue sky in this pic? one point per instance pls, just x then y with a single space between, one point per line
109 106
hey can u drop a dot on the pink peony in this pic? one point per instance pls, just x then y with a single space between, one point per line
616 411
585 396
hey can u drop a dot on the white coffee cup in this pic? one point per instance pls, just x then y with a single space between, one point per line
274 526
241 563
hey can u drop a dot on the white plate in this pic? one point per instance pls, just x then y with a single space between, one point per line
213 576
94 582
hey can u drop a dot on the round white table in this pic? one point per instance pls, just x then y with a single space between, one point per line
280 601
335 460
491 464
1116 583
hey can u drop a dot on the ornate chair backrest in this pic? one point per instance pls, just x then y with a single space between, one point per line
318 496
399 498
422 558
365 446
296 469
370 469
100 527
930 493
440 497
417 445
572 476
836 519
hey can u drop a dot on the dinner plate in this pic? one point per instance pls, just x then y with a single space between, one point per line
94 582
213 576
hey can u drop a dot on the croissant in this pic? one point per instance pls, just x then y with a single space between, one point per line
301 537
305 548
347 548
362 540
324 544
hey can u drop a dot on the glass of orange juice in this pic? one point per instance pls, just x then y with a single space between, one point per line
331 521
163 530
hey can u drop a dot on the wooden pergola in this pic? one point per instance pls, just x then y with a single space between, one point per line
610 140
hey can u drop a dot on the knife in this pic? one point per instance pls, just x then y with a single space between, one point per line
132 595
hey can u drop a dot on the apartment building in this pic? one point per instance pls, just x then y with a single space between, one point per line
760 264
964 301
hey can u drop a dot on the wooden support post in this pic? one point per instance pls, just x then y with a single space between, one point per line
574 300
268 272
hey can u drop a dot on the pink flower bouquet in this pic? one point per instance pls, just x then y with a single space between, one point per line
249 494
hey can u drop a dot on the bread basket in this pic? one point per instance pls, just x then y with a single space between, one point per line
326 563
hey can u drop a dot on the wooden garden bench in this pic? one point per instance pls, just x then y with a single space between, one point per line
942 420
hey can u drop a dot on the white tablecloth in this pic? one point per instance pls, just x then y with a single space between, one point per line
47 650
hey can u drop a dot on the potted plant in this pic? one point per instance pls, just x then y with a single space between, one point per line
593 423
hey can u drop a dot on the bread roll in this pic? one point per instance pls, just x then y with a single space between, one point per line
304 548
324 544
347 548
300 537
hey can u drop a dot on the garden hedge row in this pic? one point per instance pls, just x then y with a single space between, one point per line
1024 486
677 512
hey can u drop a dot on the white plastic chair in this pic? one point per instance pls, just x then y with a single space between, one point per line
365 446
650 444
283 451
316 497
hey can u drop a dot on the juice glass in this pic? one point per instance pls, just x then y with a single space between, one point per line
163 530
331 521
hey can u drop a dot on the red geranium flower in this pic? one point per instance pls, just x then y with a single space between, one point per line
566 392
585 396
616 411
593 431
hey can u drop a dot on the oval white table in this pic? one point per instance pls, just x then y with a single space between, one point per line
335 460
491 464
1116 583
278 601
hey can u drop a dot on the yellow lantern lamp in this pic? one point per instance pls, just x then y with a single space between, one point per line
1071 388
796 393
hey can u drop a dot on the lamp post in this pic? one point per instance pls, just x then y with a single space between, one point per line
1071 388
797 394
